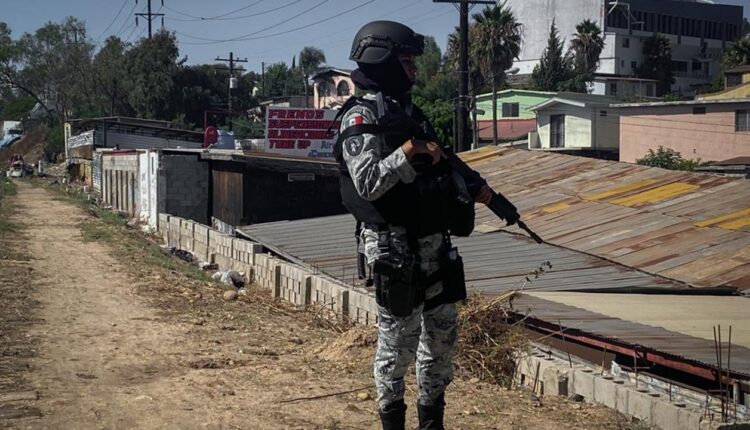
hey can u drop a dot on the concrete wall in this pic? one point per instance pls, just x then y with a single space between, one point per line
183 186
119 182
710 136
578 127
287 281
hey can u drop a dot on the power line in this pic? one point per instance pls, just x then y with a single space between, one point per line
233 18
231 60
293 29
124 25
203 18
242 37
113 20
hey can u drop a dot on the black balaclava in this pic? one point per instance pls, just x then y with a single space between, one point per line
388 77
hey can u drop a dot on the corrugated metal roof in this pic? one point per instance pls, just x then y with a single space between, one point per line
494 262
498 262
691 227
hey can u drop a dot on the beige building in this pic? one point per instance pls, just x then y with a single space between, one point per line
332 87
576 123
712 130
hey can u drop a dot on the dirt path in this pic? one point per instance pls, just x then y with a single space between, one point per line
113 340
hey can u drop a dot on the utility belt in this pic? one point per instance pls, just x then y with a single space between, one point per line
400 284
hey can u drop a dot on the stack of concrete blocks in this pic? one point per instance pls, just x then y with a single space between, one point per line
186 180
200 242
286 280
553 376
186 235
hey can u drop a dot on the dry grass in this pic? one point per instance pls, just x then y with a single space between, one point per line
488 346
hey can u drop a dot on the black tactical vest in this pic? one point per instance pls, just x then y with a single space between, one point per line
425 206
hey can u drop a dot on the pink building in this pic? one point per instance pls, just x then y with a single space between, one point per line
712 130
332 87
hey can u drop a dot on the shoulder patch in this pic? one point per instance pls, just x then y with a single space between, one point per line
354 145
355 120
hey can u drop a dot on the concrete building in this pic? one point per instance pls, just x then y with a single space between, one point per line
515 119
697 31
712 130
332 87
576 123
623 87
736 85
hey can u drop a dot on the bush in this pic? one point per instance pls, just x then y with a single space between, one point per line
55 142
667 158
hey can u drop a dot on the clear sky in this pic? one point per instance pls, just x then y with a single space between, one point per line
273 30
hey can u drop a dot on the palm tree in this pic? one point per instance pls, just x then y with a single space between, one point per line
587 45
496 42
310 58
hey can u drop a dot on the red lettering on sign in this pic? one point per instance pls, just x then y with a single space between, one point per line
303 144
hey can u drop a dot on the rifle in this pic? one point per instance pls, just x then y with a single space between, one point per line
499 204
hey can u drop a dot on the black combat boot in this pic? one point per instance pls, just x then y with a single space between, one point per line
393 416
431 417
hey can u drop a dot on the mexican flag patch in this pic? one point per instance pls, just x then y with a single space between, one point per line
355 120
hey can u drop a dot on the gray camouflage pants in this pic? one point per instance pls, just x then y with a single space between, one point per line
429 336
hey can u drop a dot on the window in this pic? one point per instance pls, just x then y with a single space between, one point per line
633 66
342 89
626 42
602 113
742 120
650 90
324 89
613 88
510 110
701 110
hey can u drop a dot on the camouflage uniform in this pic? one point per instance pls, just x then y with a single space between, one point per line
430 336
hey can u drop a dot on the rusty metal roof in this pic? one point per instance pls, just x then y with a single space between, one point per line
690 227
497 262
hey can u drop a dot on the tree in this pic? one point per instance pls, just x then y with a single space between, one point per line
110 75
585 48
667 158
657 63
737 55
495 44
554 67
310 59
152 66
280 81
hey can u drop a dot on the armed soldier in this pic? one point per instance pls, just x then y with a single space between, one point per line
398 184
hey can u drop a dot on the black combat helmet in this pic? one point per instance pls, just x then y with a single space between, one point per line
379 40
376 48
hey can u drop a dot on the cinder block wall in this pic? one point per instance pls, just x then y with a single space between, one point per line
287 281
186 186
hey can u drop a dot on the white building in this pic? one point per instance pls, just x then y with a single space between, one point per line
577 123
697 31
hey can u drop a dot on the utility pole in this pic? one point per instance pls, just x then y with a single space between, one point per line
150 16
463 66
232 83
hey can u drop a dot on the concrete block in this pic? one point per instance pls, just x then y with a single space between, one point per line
277 281
582 382
555 379
640 405
605 391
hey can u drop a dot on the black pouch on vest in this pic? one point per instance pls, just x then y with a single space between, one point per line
394 287
454 282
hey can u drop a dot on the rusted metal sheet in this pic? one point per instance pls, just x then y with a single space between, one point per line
683 225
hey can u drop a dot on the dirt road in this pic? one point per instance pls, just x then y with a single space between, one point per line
104 334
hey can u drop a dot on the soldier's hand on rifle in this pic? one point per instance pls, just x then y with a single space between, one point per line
484 195
414 147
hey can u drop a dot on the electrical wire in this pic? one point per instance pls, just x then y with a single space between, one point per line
233 18
113 20
205 18
244 36
124 26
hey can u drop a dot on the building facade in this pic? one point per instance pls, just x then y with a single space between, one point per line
576 123
736 85
712 130
332 87
697 31
514 118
